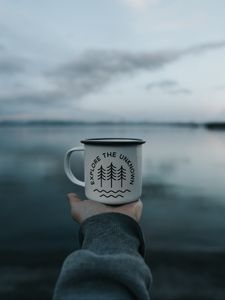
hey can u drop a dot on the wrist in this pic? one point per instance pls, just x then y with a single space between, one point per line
110 233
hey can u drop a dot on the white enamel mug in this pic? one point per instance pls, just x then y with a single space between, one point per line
112 169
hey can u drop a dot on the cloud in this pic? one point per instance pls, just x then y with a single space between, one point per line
164 84
169 87
87 74
8 66
95 69
180 91
202 48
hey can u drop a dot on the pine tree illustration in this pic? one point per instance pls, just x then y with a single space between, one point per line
111 173
121 175
101 174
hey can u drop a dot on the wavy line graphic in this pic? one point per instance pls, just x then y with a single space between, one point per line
100 191
107 196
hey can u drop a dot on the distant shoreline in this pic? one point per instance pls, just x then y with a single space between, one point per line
207 125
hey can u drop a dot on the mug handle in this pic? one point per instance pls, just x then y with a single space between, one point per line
67 168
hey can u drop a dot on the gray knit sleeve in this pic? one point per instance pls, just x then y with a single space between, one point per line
109 264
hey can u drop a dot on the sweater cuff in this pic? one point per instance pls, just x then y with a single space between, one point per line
111 233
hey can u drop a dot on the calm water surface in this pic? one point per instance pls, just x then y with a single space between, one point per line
183 185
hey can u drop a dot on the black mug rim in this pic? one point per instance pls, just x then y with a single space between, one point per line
113 141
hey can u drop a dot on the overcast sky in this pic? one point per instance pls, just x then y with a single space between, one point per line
156 60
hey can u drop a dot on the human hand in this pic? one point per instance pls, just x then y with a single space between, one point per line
81 210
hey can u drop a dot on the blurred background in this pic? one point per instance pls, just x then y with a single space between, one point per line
151 69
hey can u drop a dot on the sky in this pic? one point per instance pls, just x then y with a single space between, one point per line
119 60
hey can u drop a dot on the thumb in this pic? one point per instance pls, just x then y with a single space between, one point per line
138 209
73 198
74 201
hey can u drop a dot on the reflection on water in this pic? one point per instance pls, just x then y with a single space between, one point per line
183 218
184 190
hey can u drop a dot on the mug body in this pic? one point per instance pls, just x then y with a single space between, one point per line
113 170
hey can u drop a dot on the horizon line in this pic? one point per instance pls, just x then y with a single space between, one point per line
207 124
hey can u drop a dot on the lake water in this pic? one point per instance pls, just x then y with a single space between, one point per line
183 184
183 218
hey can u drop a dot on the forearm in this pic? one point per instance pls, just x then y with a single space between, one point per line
109 264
